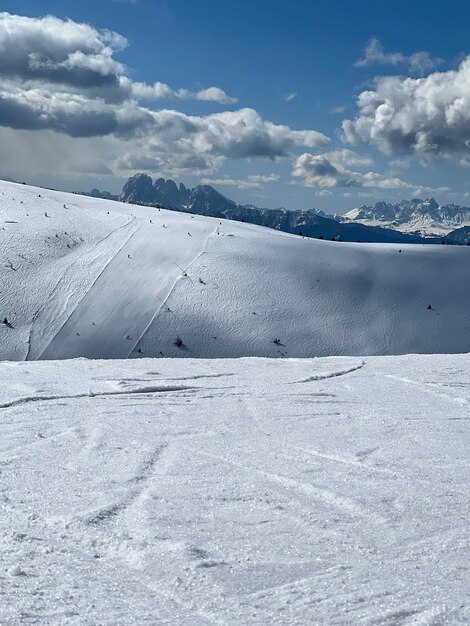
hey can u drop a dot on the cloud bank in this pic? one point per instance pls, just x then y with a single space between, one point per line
62 76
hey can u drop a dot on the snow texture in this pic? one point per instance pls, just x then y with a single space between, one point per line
86 277
250 491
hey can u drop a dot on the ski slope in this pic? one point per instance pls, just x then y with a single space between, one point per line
89 277
251 491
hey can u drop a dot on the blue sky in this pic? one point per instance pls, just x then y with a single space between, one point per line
296 66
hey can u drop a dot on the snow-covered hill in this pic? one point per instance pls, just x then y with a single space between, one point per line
424 217
253 491
89 277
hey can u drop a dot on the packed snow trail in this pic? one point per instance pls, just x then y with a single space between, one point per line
252 491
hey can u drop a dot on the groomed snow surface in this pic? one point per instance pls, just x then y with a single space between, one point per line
100 279
251 491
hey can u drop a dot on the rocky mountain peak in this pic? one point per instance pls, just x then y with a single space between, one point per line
139 188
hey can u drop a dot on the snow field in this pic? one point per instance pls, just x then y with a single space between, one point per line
249 491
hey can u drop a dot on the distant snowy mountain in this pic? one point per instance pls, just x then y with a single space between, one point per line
205 200
423 217
86 277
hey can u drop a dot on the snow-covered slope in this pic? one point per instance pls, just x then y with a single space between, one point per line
424 217
253 491
89 277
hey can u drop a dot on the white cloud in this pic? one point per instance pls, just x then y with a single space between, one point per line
67 55
332 169
179 143
214 94
58 75
290 96
60 52
375 54
425 116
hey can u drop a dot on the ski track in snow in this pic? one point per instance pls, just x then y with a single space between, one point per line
91 394
217 492
318 377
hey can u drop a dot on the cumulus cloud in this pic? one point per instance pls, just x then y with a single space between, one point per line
58 75
332 169
51 50
425 116
179 143
244 134
419 62
77 57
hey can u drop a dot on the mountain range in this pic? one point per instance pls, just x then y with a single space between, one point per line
205 200
410 221
422 217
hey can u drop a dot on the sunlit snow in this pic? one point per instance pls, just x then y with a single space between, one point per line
192 491
249 491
